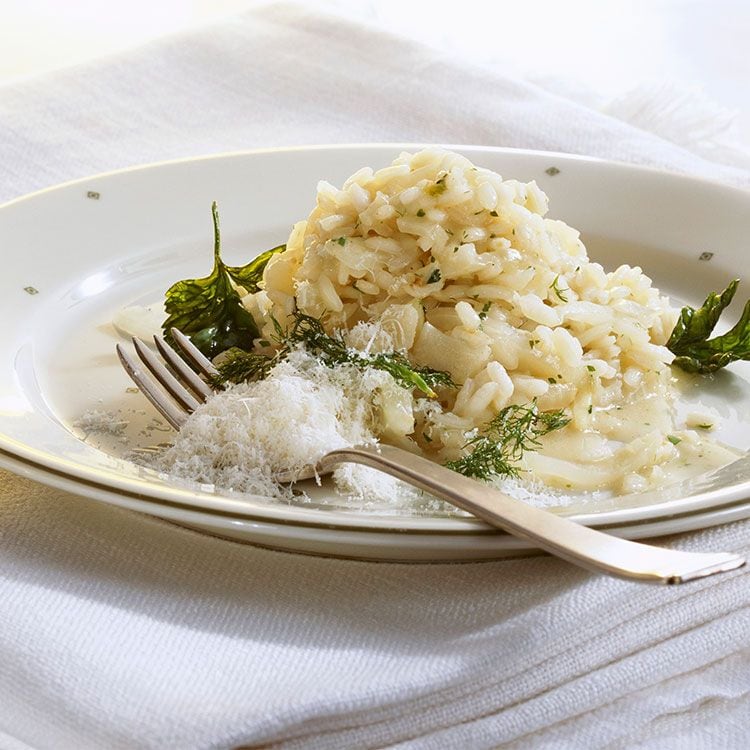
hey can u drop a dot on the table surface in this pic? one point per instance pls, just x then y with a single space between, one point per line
596 51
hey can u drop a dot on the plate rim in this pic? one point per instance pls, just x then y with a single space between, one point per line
507 545
634 166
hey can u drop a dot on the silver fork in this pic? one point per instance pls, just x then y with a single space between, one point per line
176 391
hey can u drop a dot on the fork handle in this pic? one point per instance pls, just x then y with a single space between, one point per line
571 541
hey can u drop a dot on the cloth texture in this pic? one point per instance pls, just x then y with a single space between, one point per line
121 631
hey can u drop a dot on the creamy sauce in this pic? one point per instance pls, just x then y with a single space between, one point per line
635 446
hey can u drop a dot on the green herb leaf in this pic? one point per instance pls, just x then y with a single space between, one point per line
209 310
690 341
438 188
559 293
407 375
238 366
435 276
250 275
674 439
496 450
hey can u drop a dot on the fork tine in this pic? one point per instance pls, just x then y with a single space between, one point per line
147 386
186 373
165 377
192 352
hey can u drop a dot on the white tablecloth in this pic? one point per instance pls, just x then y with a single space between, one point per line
121 631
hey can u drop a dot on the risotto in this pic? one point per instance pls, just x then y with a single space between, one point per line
462 272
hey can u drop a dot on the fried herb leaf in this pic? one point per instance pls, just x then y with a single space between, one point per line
209 310
249 276
690 342
496 450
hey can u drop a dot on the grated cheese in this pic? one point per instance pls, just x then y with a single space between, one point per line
100 421
243 436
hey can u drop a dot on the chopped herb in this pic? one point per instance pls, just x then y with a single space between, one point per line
559 293
435 276
591 368
705 426
690 341
513 231
485 309
476 213
341 241
420 213
438 188
426 437
551 381
238 366
673 439
209 310
496 450
591 408
533 343
264 342
493 213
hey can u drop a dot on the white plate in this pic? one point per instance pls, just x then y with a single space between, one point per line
75 254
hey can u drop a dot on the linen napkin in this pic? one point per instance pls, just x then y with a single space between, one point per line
121 631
